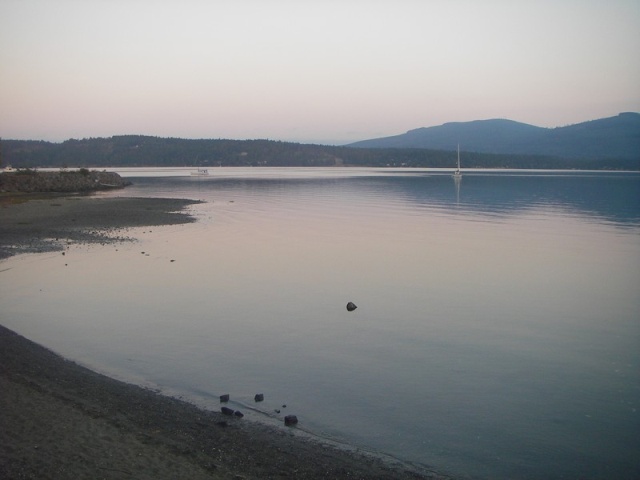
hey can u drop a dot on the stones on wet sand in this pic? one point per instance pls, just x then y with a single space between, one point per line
351 307
290 420
227 411
231 412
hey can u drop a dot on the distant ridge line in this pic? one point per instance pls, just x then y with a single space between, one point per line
613 137
605 144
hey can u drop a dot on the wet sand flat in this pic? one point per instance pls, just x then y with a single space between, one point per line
30 224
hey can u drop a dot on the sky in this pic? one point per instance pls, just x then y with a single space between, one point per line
310 71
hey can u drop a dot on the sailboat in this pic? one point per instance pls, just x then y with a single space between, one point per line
200 172
457 173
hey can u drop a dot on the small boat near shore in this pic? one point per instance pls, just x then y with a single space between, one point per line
201 172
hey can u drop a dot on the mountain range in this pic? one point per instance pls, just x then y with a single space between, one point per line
609 143
606 138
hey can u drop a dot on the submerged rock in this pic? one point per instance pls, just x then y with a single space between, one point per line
351 307
259 397
227 410
224 398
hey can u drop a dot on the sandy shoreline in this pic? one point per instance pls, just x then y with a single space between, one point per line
60 420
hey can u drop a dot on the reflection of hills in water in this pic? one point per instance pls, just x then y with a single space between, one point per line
612 197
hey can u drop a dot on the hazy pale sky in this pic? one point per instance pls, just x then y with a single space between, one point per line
324 71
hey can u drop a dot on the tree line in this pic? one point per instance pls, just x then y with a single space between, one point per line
146 151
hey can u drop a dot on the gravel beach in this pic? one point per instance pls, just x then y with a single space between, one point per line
59 420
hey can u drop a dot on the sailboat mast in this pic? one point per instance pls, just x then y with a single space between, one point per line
457 172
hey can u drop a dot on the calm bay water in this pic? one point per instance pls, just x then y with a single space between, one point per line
497 333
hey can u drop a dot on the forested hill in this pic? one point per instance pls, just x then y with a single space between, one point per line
615 137
136 151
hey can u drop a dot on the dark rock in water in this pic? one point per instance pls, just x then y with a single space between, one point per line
238 414
351 306
290 420
224 398
227 410
259 397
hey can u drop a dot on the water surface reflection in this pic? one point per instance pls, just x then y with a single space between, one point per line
496 333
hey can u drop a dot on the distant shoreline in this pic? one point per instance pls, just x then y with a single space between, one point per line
483 144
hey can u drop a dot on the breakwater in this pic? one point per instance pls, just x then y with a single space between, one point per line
83 180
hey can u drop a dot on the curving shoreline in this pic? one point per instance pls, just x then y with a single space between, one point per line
61 420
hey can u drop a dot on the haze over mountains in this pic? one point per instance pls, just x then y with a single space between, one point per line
607 138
